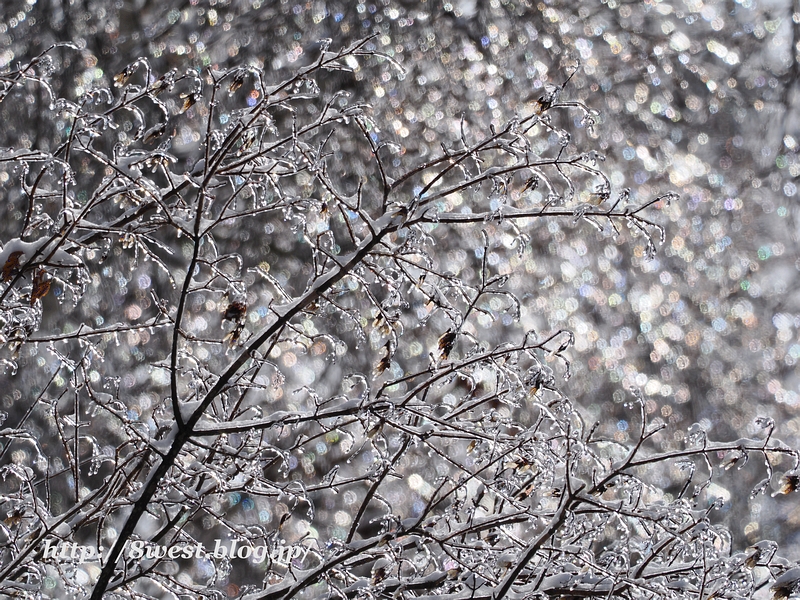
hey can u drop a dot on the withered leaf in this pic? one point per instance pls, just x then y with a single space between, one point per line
233 336
41 286
788 484
155 132
11 267
541 105
237 82
188 102
753 556
383 364
525 492
247 141
446 342
235 311
161 84
375 429
123 76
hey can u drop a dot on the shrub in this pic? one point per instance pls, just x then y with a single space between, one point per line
264 321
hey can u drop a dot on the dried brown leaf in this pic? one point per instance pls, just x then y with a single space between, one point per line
41 286
11 267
